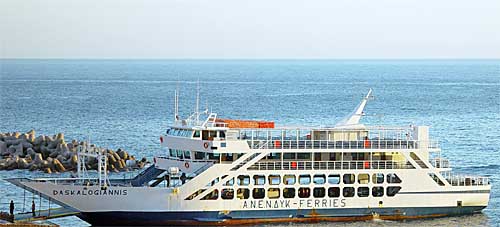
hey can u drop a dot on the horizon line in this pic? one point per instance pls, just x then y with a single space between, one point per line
262 59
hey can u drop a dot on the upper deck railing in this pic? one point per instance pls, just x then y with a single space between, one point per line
328 144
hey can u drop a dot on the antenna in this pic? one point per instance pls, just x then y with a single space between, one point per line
176 103
197 110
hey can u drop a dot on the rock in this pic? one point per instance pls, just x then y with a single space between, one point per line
47 170
34 167
22 163
16 134
38 158
58 166
39 140
123 154
19 150
74 159
3 148
31 153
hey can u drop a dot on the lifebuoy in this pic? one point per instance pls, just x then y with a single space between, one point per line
205 145
186 165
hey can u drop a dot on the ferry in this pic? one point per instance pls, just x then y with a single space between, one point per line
218 171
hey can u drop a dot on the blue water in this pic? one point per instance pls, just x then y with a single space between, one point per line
128 104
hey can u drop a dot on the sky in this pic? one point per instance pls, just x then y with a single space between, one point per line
250 29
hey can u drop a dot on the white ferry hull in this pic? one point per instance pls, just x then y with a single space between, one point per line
135 206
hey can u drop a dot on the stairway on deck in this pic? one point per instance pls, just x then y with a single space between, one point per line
145 176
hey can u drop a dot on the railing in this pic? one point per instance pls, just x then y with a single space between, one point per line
328 144
216 124
327 165
440 163
465 180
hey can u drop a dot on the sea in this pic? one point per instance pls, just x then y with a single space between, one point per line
129 104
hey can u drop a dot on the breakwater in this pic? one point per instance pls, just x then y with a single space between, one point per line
53 154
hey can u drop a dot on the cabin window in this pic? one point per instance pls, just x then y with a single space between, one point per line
393 178
212 134
334 179
289 179
334 192
258 193
243 180
274 179
229 182
304 156
304 179
363 178
187 154
274 156
212 195
172 153
289 156
348 192
393 190
378 178
214 156
204 135
243 193
196 134
319 192
179 154
288 193
199 155
227 193
273 193
304 192
259 180
363 191
348 178
222 134
319 179
378 191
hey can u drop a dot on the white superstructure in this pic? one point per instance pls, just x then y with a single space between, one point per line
214 173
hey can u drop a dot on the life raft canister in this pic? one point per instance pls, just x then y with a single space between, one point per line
367 165
186 165
205 145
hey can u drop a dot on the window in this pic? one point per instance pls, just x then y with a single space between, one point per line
348 178
229 182
289 156
363 178
274 179
243 193
259 180
304 179
273 193
179 154
258 193
378 178
187 154
319 192
289 179
363 191
196 134
172 153
304 192
348 192
243 180
304 156
199 155
289 193
334 192
393 178
222 134
393 190
212 195
378 191
319 179
227 193
334 179
212 134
